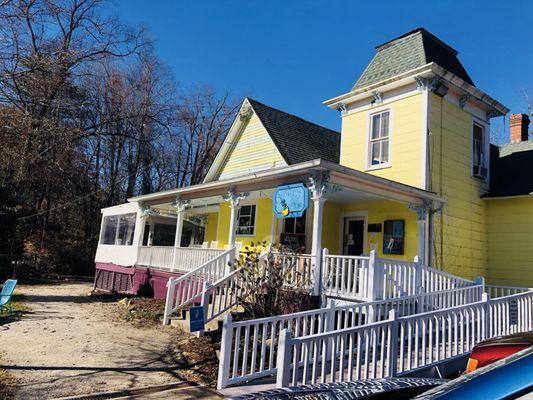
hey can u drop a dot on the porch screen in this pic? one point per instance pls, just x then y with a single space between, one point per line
118 230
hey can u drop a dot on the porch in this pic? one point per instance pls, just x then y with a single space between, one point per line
350 213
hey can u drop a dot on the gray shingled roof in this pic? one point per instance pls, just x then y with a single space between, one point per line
298 140
510 169
412 50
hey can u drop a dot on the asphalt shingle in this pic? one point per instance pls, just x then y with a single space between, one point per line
412 50
298 140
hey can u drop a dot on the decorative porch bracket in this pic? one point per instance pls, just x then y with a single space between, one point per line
234 199
320 188
180 206
422 211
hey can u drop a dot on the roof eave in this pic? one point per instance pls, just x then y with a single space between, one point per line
398 190
386 84
407 77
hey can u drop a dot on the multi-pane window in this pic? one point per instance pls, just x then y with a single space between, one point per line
246 220
479 167
379 139
118 230
295 225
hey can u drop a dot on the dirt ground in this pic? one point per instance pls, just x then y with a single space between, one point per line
67 345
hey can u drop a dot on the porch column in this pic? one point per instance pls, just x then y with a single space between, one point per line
422 211
234 199
320 188
140 217
180 206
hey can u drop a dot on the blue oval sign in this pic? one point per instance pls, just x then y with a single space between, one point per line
290 200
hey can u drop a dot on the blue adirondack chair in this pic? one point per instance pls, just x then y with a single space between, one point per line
5 295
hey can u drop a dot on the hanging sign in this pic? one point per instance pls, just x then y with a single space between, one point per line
290 201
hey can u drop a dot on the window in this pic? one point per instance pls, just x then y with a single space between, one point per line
379 139
295 225
246 220
118 230
479 167
393 236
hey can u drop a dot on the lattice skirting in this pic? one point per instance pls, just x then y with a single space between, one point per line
113 281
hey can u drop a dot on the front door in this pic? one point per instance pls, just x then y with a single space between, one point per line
354 236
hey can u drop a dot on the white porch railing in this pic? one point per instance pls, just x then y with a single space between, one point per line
346 276
175 258
221 296
296 269
156 256
249 348
188 288
495 291
370 278
398 345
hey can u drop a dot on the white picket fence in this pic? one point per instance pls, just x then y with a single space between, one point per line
175 258
399 344
249 348
188 288
495 291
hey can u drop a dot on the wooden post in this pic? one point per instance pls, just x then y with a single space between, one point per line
205 299
168 301
393 344
479 280
225 352
374 278
323 271
485 317
283 362
418 274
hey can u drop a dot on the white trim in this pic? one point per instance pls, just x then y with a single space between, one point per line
346 176
244 204
388 164
229 142
389 98
407 77
424 184
355 215
486 146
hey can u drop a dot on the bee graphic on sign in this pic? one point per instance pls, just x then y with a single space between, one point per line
285 208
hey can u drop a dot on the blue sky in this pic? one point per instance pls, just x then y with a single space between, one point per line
295 54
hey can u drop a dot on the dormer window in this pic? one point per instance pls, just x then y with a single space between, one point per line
479 159
378 146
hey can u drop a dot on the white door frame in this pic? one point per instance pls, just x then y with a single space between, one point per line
356 215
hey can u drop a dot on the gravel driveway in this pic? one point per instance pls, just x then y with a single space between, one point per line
65 346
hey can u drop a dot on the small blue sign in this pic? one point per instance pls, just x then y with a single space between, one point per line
290 200
196 319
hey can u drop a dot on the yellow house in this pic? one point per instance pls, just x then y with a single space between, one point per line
411 175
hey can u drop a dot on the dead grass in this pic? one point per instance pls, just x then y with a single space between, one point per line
196 358
140 312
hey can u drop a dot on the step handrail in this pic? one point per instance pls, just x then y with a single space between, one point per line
193 279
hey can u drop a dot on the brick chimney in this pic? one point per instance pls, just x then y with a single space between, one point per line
519 125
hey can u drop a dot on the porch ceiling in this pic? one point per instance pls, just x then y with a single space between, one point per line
358 185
